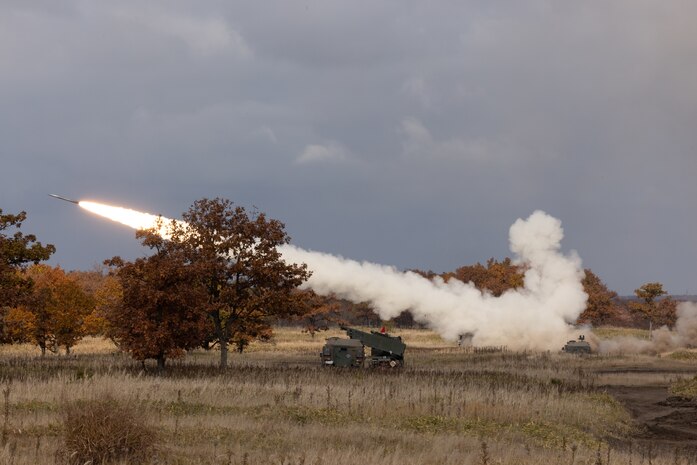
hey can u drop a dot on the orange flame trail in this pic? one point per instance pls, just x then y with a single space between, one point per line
131 218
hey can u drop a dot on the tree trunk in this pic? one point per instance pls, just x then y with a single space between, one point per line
161 362
221 332
43 349
67 350
223 354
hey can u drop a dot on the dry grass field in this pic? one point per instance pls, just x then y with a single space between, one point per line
276 404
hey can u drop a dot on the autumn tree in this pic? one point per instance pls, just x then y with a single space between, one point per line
90 280
236 253
649 292
104 289
256 326
424 274
364 314
161 310
648 308
58 307
71 306
496 277
666 312
19 325
602 307
475 274
39 305
316 312
17 251
107 297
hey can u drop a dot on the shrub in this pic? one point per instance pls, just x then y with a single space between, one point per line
685 388
99 431
685 355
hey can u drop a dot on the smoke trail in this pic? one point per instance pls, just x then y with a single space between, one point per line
684 334
537 316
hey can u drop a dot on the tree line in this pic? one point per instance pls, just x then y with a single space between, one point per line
221 282
651 305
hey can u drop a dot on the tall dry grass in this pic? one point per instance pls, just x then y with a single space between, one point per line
277 405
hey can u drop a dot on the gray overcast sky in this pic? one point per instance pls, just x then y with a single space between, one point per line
407 133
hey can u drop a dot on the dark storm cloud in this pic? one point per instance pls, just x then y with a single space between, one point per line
406 133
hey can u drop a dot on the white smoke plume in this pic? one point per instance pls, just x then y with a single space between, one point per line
537 316
664 339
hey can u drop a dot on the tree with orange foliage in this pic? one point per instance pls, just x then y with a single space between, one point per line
71 306
602 307
316 312
17 251
496 277
245 276
161 313
256 326
107 296
59 306
364 314
666 312
19 325
649 308
92 282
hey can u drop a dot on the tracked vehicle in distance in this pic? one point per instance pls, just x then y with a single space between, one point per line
385 350
577 347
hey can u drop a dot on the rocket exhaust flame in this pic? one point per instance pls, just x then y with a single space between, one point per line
538 316
131 218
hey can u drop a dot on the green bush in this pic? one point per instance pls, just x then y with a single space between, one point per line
103 430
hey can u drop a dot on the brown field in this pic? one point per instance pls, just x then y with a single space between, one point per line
275 404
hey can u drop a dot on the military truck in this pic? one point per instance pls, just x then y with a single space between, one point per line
577 347
385 350
342 353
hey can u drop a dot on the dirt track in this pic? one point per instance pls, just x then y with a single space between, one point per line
667 422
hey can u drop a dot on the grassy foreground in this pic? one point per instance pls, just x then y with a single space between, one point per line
275 404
